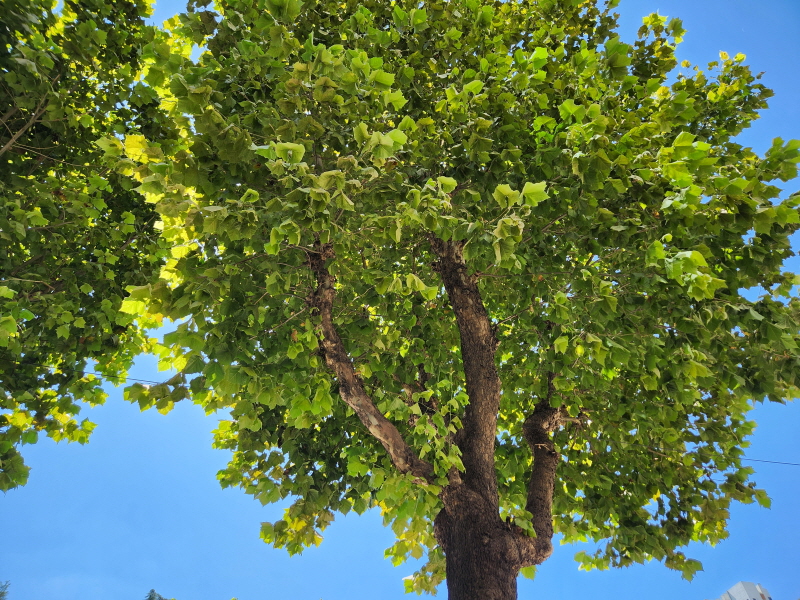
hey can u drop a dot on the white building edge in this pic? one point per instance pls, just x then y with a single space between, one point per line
744 590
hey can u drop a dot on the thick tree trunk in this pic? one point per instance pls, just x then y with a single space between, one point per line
481 551
483 554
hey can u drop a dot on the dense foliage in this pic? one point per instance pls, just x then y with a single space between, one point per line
479 264
73 234
357 177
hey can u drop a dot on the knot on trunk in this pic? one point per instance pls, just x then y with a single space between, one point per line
450 250
450 264
317 258
540 423
321 299
469 520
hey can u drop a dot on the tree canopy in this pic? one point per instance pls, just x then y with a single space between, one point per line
479 264
154 595
73 234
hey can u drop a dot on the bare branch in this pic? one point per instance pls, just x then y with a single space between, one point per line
8 114
20 267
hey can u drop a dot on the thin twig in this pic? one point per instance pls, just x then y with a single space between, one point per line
35 117
9 113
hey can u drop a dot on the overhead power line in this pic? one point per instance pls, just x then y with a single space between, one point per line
120 378
774 462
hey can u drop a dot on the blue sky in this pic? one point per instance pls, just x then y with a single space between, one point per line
140 508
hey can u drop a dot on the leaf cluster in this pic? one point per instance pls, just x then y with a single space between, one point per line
73 234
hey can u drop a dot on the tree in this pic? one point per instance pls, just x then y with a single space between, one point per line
73 234
154 595
4 590
475 263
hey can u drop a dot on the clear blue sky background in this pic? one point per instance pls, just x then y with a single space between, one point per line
140 508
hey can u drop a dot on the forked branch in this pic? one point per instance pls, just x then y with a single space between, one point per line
477 438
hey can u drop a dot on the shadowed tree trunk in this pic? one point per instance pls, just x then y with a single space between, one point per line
481 551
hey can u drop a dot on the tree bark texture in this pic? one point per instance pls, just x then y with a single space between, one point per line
478 345
484 554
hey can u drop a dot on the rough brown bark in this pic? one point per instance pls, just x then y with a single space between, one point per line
478 344
483 554
351 388
537 429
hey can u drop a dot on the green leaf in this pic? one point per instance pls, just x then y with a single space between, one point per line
419 18
111 146
407 124
265 151
505 196
678 173
690 568
763 499
249 196
361 133
30 437
655 252
447 184
331 180
684 139
398 137
414 283
382 286
534 193
136 147
382 78
569 109
290 152
132 307
429 293
8 325
474 86
395 98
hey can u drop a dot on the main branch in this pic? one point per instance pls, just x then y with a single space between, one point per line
478 345
351 388
483 553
